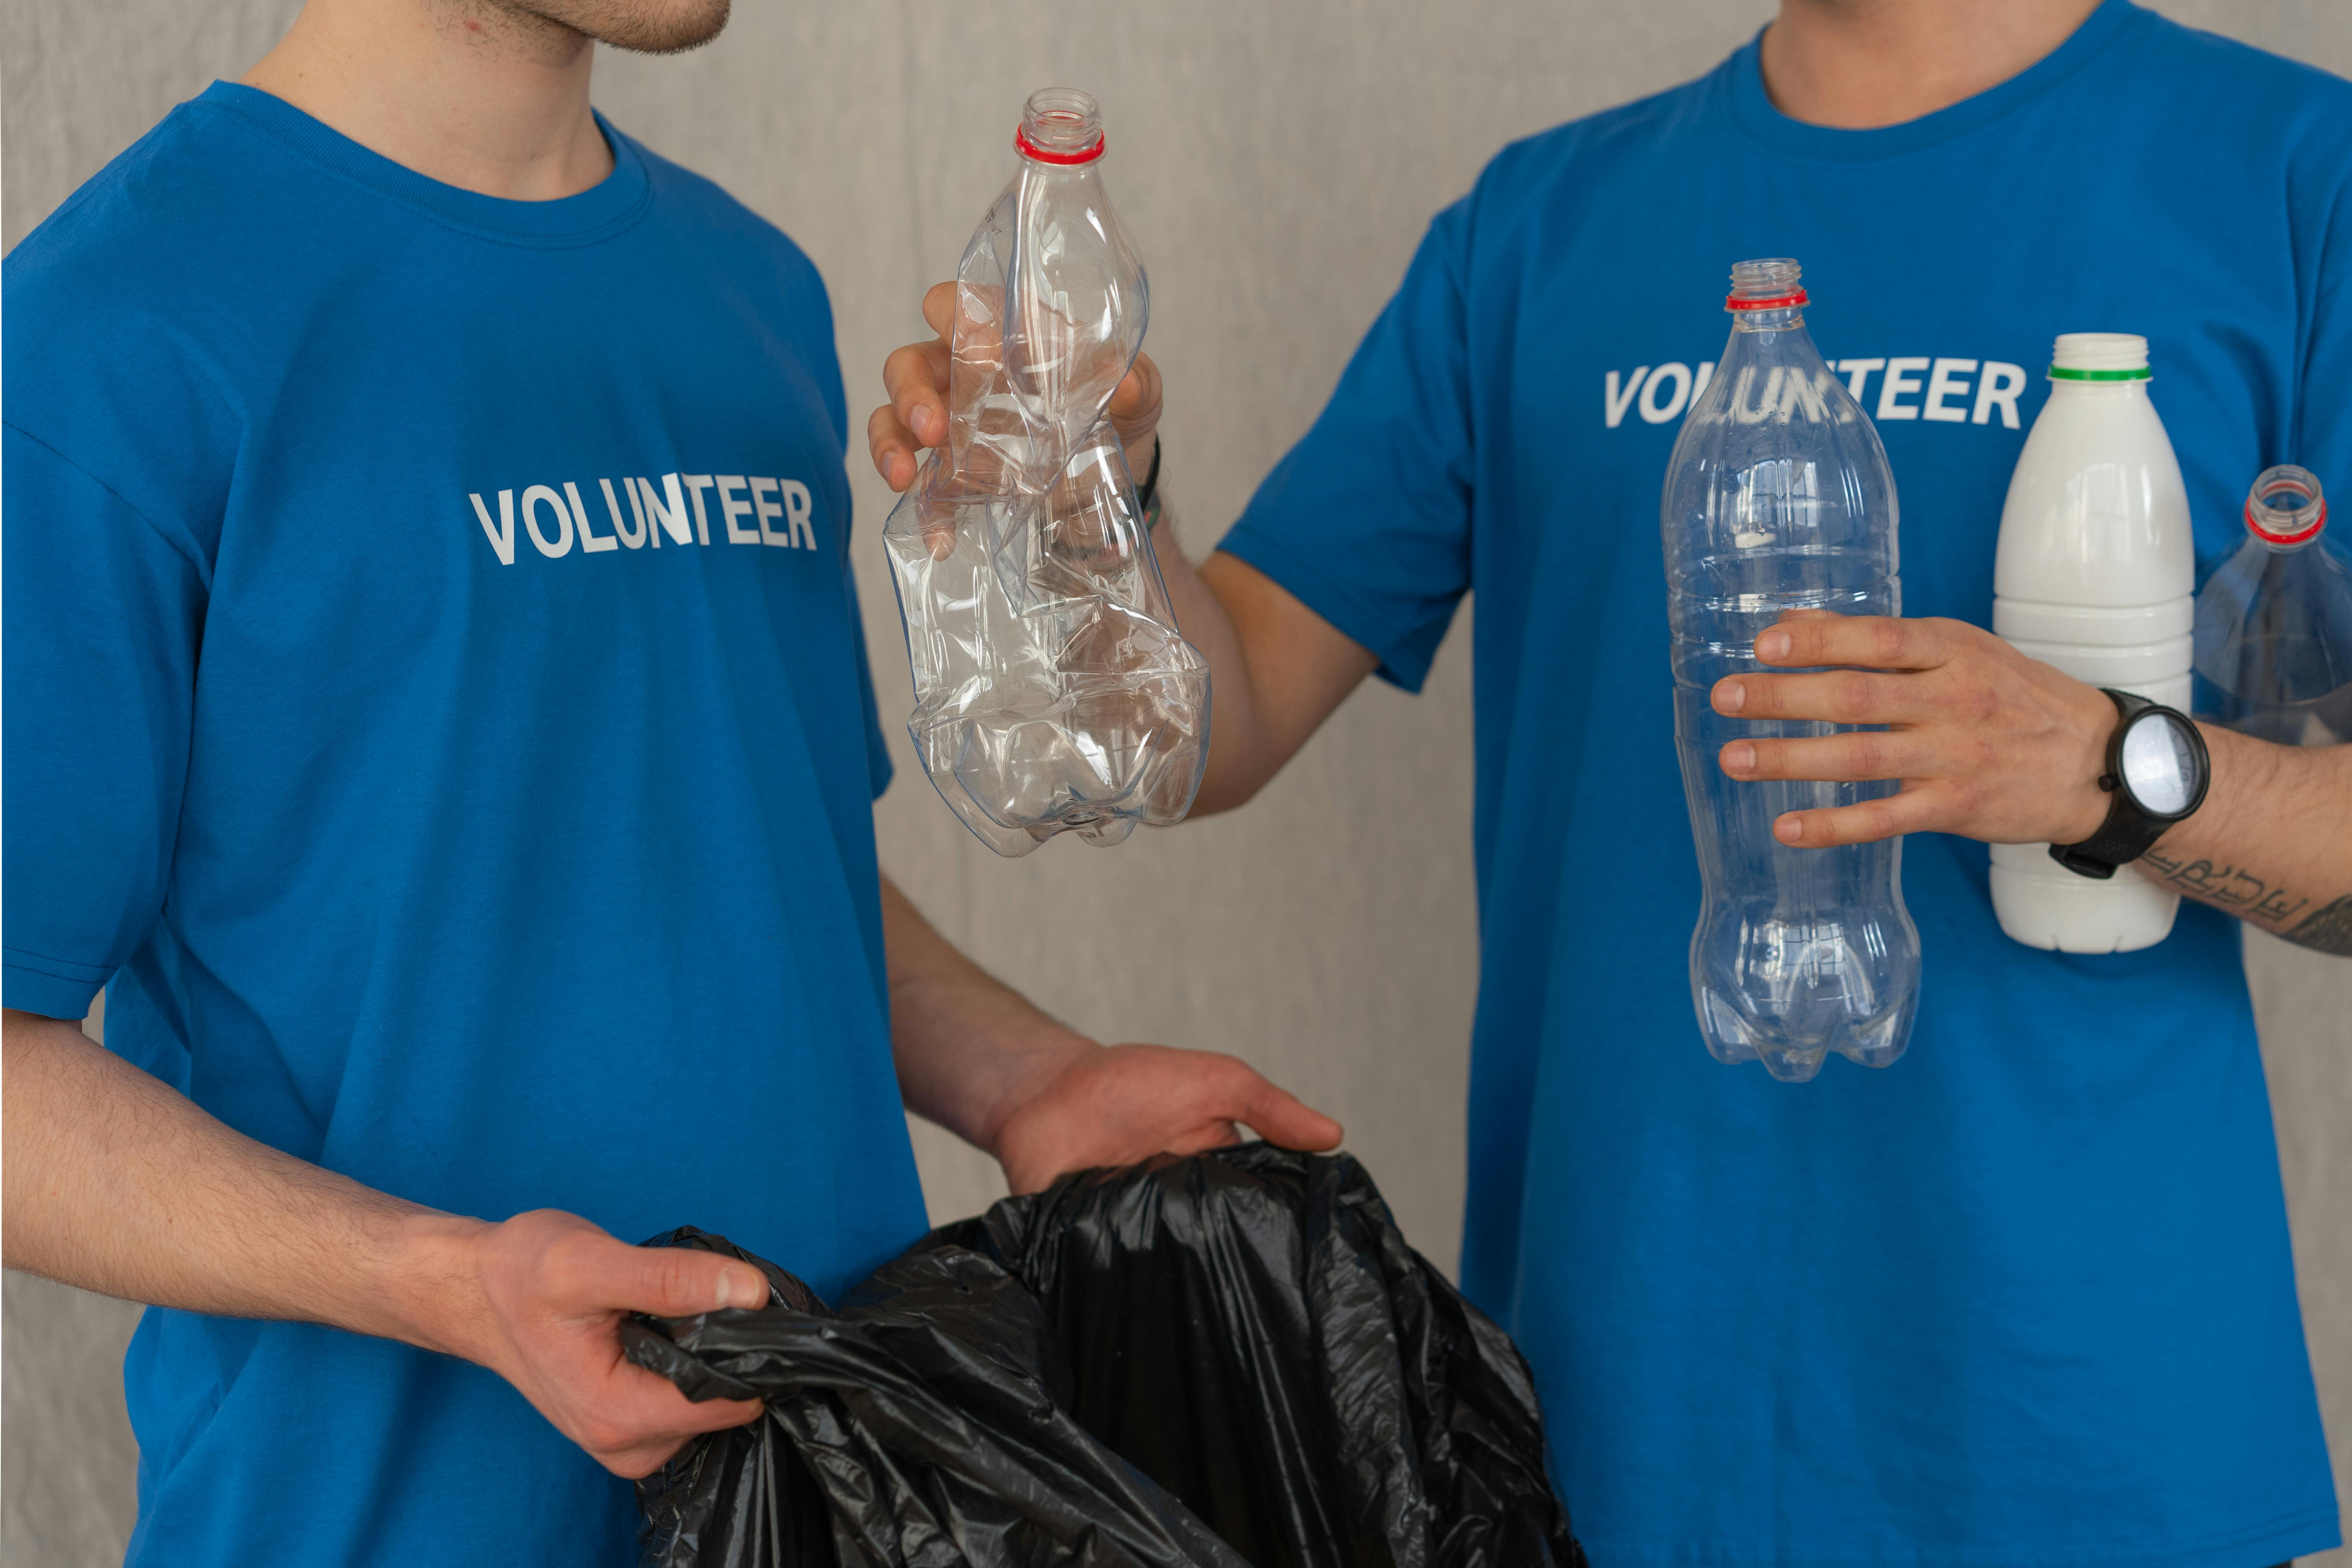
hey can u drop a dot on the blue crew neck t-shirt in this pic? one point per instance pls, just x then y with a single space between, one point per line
2025 1297
437 709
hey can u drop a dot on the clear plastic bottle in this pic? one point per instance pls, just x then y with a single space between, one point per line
1052 691
1779 498
2274 623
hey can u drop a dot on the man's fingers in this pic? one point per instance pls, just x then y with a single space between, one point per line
1831 697
1912 811
679 1281
939 309
1848 758
916 379
1214 1135
1281 1117
641 1420
1878 642
1134 406
893 446
652 1402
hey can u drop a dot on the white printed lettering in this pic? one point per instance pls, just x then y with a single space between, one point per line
670 518
1950 379
1859 370
796 510
1800 394
637 510
1655 412
1951 391
502 536
761 490
731 509
1612 405
778 511
590 540
613 504
1899 381
1766 407
2002 384
696 484
562 543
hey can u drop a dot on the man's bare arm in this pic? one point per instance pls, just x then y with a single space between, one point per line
1276 668
2272 844
981 1060
114 1182
1996 746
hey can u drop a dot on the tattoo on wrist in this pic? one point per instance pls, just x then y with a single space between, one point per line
2327 930
2239 891
2231 888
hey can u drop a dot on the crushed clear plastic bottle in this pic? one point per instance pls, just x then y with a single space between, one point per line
1053 690
1779 498
2275 622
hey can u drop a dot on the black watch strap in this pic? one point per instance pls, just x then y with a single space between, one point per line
1147 493
2128 831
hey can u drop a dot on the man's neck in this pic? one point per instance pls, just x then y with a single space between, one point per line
1860 64
463 91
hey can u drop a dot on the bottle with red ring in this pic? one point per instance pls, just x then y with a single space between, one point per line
1779 498
2275 622
1053 690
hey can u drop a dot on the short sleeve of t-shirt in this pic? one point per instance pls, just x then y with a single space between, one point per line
1367 519
825 365
877 745
2322 436
104 609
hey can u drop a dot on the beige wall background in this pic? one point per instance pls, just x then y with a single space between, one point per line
1275 165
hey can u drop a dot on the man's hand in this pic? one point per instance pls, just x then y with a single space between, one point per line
977 1058
1278 667
1118 1105
549 1291
915 417
116 1183
1989 744
1993 746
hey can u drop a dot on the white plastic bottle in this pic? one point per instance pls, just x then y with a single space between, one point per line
2094 573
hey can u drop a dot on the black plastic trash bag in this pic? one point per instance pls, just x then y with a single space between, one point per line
1230 1359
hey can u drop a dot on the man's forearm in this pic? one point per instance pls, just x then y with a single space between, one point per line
969 1049
1276 669
116 1183
2272 844
1235 771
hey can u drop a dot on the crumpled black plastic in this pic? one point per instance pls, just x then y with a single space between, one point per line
1227 1361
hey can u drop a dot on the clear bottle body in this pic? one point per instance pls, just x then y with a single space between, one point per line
1053 692
1779 498
2274 623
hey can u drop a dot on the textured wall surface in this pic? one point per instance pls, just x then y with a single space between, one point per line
1275 166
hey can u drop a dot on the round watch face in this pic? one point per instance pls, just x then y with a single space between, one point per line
2159 764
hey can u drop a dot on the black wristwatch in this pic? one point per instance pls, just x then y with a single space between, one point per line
2157 771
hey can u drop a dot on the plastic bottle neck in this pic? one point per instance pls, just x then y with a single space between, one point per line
1766 296
1060 128
2109 363
2286 509
1773 321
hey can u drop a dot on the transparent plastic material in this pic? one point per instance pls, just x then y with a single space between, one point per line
1052 691
1779 498
2275 622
